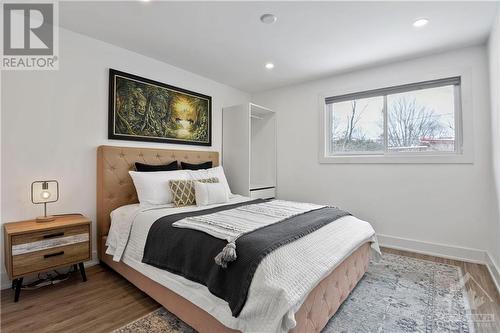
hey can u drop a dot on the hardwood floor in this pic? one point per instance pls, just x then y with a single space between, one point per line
107 301
103 303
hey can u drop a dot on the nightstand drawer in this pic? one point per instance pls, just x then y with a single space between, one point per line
45 259
48 235
44 240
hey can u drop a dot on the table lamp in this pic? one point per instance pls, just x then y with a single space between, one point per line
44 192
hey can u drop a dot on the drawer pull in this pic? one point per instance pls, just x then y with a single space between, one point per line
53 254
54 235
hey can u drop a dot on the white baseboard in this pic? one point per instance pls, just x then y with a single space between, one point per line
434 249
494 270
444 251
6 283
93 261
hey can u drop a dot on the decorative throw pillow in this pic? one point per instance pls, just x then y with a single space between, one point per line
190 166
217 172
209 194
183 193
141 167
152 187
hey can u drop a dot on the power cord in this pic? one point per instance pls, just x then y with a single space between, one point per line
48 279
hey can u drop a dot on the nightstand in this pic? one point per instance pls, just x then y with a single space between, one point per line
32 247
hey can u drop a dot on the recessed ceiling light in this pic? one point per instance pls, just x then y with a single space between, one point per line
269 65
420 22
268 18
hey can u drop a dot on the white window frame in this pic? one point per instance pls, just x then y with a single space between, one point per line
463 123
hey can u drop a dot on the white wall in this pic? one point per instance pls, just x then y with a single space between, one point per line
450 204
494 58
53 121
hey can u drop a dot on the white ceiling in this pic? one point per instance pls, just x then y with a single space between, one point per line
226 42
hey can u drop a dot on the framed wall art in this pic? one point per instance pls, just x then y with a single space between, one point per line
145 110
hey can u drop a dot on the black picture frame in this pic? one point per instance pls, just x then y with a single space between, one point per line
113 131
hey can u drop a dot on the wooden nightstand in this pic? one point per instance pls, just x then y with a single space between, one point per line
33 247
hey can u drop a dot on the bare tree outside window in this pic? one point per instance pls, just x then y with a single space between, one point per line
357 125
409 122
421 120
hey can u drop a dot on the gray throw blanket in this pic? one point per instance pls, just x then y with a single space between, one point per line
190 253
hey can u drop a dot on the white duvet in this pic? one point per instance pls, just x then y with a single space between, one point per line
280 284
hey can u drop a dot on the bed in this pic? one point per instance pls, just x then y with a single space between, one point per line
191 302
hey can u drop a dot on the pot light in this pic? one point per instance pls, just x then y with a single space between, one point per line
419 23
268 18
269 65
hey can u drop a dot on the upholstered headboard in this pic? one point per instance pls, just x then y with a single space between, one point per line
114 184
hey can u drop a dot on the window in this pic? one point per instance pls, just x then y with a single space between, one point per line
413 119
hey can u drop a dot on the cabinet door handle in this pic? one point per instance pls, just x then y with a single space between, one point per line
57 234
53 254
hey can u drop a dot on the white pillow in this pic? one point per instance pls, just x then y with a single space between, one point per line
152 187
210 193
217 172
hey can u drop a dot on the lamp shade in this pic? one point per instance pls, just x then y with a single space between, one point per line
44 191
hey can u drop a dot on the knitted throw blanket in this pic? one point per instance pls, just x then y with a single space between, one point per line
232 224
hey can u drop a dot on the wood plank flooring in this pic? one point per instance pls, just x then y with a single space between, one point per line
107 301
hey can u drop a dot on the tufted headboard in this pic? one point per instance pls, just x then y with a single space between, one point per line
114 184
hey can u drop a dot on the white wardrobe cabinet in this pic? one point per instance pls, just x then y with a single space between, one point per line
249 150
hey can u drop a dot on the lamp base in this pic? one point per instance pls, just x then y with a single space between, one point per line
45 218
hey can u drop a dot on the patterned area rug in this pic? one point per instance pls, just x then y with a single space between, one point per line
397 294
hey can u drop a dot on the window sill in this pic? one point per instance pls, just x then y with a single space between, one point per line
392 159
